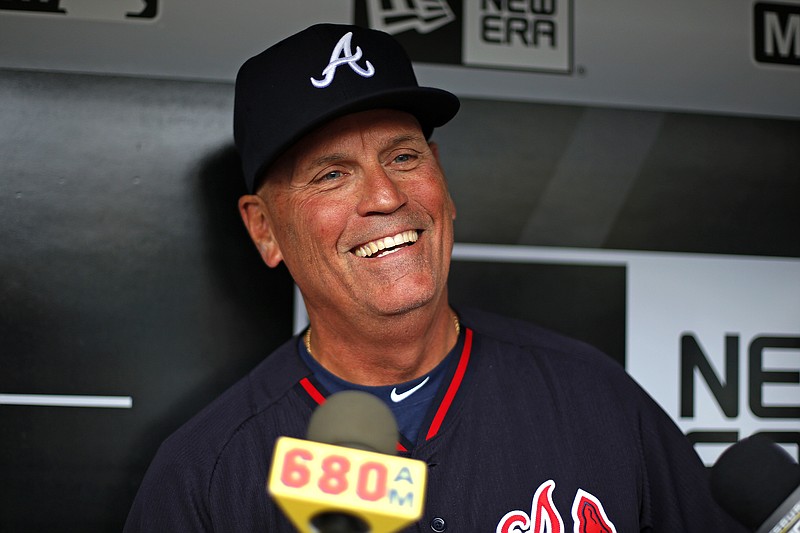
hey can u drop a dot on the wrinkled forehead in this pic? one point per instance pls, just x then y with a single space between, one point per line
338 139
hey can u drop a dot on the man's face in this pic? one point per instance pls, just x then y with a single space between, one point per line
360 213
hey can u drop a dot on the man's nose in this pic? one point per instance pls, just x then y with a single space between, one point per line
380 192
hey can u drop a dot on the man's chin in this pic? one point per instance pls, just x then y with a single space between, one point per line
402 304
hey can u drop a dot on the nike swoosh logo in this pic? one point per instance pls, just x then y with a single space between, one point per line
403 395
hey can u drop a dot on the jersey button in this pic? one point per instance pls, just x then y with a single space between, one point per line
438 524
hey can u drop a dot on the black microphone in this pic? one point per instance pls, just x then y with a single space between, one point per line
345 478
758 483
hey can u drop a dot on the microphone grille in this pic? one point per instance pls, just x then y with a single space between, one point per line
354 419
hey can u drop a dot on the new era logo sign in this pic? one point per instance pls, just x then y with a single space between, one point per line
776 33
396 16
514 34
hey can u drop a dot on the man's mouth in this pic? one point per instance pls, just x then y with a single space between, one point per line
387 245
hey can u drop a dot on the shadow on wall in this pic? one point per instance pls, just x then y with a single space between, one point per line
237 266
253 303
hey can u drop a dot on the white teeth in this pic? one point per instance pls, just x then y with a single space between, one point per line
372 247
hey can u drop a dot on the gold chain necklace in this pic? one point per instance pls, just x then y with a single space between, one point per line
307 336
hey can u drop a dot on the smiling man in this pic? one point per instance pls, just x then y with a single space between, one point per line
359 212
522 429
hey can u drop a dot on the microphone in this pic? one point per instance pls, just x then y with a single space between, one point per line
345 478
758 483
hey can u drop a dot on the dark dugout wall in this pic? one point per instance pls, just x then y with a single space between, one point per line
125 272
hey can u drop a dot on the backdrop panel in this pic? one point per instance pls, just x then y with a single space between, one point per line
125 272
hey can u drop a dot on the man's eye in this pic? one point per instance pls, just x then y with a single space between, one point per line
332 175
403 158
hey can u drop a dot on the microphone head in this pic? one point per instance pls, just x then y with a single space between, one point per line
752 478
354 419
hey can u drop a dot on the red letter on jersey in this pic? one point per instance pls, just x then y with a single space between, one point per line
545 515
589 515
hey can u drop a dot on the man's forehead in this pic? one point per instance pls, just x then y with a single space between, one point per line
378 124
379 128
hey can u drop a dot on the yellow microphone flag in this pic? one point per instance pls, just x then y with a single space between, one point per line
308 478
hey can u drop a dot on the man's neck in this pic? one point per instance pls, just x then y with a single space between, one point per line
385 350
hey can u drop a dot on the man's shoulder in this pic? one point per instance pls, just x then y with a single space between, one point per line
208 432
523 347
213 453
526 335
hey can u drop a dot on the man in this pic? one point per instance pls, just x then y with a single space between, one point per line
522 430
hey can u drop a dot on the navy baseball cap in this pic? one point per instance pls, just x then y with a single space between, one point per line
319 74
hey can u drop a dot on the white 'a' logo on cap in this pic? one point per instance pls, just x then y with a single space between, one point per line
341 54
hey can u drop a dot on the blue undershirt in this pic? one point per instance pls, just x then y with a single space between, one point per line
409 409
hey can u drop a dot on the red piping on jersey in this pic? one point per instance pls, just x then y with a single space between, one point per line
312 391
455 383
452 389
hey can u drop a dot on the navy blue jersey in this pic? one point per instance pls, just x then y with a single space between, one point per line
530 431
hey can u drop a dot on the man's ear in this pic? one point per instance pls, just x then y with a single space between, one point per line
256 217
